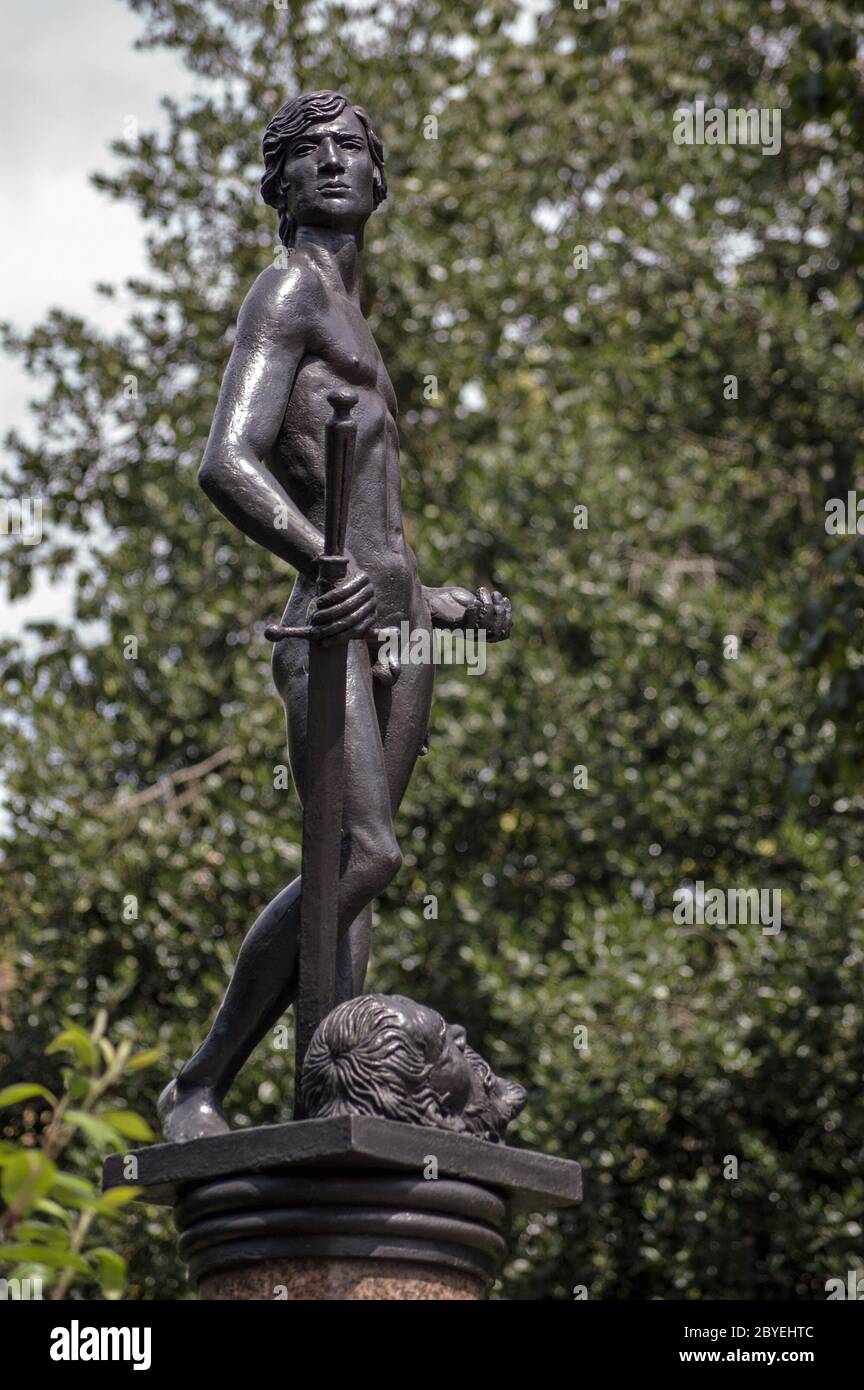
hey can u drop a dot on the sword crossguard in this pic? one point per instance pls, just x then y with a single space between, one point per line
277 633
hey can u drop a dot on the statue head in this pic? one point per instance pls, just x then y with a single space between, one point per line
388 1056
323 164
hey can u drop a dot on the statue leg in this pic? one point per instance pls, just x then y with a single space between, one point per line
352 956
264 980
403 718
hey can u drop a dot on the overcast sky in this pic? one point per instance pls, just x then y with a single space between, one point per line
70 75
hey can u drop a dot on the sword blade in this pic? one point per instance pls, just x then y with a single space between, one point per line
325 747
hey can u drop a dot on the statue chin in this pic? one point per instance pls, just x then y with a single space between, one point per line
375 1055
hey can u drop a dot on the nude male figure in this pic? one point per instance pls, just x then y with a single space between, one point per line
301 334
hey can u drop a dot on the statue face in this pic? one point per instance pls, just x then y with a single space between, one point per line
328 174
444 1046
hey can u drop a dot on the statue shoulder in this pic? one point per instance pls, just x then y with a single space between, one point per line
281 303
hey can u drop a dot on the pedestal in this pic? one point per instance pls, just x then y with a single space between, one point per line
345 1209
372 1281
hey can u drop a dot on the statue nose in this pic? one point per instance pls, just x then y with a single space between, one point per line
330 157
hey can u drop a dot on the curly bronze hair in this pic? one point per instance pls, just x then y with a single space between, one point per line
291 120
363 1061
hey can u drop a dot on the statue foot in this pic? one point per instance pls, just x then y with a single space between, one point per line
189 1112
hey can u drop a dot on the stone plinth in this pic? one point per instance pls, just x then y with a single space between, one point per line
350 1208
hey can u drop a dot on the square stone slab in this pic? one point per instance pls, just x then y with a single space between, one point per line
530 1181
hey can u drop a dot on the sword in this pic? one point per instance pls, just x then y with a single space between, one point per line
325 740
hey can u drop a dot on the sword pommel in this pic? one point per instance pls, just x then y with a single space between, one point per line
343 402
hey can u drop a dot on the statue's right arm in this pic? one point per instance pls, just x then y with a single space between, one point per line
256 388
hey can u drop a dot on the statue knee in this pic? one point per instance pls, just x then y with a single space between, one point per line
390 863
374 861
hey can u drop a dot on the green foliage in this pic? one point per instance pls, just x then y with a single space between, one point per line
52 1214
146 830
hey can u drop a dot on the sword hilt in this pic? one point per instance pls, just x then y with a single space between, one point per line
340 435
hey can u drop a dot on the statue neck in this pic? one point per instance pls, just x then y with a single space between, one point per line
335 252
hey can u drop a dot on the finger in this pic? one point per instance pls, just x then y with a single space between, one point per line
502 621
350 622
346 631
485 597
344 609
337 598
498 597
347 623
344 589
354 632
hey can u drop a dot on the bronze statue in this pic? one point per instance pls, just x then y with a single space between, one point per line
302 345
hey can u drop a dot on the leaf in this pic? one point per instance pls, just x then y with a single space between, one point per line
117 1197
145 1059
73 1185
75 1084
43 1255
52 1208
24 1090
96 1129
129 1124
73 1191
41 1231
26 1178
74 1039
111 1270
